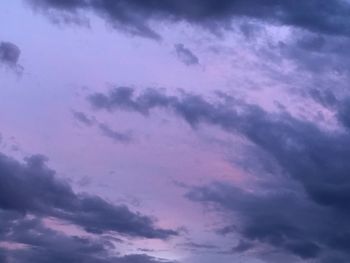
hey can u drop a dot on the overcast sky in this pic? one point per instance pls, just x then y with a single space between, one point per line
174 131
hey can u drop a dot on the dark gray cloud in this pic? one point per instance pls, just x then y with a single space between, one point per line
36 242
9 55
83 118
307 214
32 188
47 245
284 137
116 136
141 258
185 55
199 246
266 218
318 53
321 16
242 246
343 113
339 106
324 97
106 130
124 98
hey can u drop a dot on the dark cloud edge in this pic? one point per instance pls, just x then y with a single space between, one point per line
134 16
33 188
35 242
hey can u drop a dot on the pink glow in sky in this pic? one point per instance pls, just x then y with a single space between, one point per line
174 131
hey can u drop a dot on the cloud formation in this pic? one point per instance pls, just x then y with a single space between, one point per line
9 55
115 135
33 241
295 200
185 55
81 117
135 16
32 188
313 177
106 130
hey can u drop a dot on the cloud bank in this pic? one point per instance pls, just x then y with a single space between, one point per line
32 188
313 177
135 16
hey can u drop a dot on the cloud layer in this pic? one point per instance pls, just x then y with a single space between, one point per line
329 17
313 177
260 165
32 188
35 242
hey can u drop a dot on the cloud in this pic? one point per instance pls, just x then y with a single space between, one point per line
198 246
115 135
42 244
32 241
305 211
142 258
123 98
9 55
242 246
185 55
106 130
267 219
32 188
83 118
135 16
317 53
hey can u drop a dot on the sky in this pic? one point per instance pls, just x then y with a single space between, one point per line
174 131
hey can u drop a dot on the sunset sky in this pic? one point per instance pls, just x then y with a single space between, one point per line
174 131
